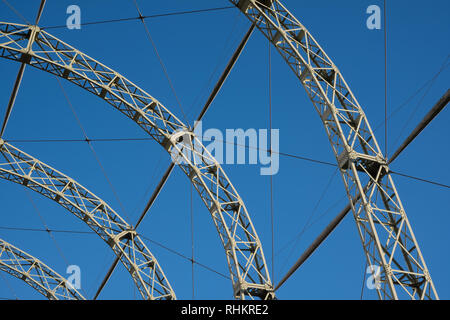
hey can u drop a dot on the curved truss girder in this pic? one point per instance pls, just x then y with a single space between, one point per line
35 273
244 253
19 167
384 228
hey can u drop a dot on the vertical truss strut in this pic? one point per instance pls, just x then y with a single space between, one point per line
386 234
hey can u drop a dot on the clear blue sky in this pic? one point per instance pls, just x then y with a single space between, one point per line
191 47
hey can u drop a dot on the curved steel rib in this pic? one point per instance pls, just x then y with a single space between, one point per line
385 231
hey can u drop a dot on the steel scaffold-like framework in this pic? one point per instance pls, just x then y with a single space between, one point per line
387 237
39 49
19 167
35 273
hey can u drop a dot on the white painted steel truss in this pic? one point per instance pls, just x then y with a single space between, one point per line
244 253
35 273
385 231
19 167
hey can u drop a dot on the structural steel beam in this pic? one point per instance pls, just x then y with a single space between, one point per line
18 167
12 97
243 249
35 273
438 107
18 81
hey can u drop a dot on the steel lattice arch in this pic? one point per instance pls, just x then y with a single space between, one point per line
23 169
386 234
35 273
242 246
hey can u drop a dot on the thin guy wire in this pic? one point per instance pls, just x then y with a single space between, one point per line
324 213
58 248
192 240
100 272
430 85
9 287
298 157
312 214
385 98
225 50
270 153
408 100
19 77
92 149
385 83
364 281
177 13
16 12
169 169
151 186
161 62
142 236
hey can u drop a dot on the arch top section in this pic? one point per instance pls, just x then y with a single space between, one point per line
39 49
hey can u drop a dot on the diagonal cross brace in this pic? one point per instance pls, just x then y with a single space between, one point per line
438 107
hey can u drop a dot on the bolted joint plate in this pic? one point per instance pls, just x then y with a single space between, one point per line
126 234
364 162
